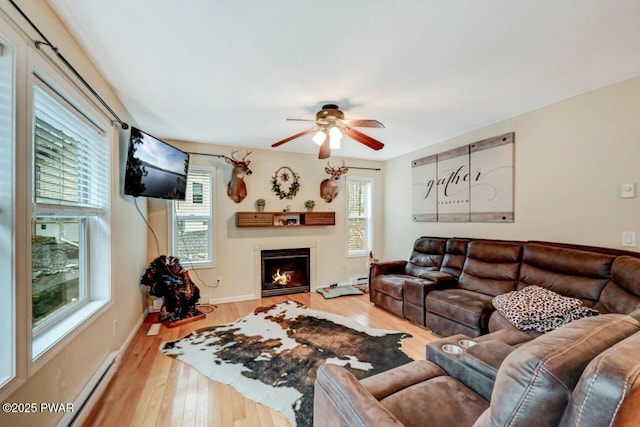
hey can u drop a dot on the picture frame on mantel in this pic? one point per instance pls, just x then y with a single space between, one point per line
472 183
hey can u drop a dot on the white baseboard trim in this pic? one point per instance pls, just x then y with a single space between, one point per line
233 299
91 393
131 336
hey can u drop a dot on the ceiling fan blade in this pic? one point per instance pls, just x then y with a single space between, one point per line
325 151
301 120
363 123
297 135
364 139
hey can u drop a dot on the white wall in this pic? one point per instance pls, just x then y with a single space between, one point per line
237 248
570 161
62 377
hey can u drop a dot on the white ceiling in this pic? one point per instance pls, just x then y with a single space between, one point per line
231 72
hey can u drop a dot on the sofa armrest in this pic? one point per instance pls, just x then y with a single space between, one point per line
387 267
389 382
340 400
511 336
498 323
486 357
444 280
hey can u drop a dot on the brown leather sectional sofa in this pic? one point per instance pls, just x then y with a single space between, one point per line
448 284
485 371
586 373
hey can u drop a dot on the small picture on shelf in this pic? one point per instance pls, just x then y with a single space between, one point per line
289 221
286 219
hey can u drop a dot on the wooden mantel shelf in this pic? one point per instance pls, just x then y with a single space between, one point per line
284 219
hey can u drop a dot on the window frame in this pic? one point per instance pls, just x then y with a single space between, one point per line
12 366
24 359
195 264
48 210
368 215
46 341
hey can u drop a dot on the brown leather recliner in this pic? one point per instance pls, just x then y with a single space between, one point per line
491 268
390 281
540 383
609 388
608 283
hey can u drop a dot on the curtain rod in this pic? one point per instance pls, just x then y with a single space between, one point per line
207 154
358 167
46 42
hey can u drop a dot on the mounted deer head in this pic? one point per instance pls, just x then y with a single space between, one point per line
237 189
330 186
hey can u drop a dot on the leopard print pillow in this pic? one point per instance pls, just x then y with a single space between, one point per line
537 308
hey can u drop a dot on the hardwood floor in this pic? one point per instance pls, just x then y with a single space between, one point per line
151 389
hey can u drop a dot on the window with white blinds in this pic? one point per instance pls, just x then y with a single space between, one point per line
71 166
359 216
193 223
69 156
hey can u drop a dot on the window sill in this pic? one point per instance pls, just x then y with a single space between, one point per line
358 254
197 265
49 343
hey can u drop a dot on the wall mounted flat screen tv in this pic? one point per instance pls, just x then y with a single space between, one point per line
155 168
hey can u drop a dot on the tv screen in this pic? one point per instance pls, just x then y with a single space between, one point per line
155 168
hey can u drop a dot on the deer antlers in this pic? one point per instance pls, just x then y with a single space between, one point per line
338 170
234 152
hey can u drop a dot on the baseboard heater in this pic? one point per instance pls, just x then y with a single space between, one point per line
356 281
90 394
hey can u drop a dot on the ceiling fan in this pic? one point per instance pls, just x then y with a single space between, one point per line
331 126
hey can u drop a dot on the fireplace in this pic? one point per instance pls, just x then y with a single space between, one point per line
285 271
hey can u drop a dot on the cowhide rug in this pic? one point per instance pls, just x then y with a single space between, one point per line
271 355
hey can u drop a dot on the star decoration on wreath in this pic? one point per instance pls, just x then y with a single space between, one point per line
285 183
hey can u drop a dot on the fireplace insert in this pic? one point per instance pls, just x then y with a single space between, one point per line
285 271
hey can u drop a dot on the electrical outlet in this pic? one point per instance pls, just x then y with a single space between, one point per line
218 281
629 239
628 191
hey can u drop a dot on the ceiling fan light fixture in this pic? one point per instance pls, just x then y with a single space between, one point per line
319 137
331 126
335 136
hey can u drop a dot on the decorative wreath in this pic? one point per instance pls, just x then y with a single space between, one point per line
287 178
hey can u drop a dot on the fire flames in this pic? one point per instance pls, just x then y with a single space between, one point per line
281 279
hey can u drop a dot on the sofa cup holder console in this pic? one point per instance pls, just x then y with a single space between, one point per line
452 349
451 353
467 343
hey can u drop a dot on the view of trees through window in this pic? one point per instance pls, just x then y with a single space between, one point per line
55 266
359 213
